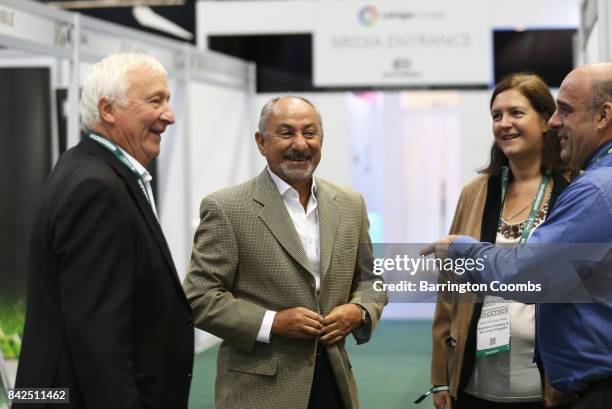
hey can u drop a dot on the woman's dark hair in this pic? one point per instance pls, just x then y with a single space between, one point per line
533 88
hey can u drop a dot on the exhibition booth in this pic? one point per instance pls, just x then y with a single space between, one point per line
379 141
44 55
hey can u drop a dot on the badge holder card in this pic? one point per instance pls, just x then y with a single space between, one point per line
493 332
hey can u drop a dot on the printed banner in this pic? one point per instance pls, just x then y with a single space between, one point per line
400 43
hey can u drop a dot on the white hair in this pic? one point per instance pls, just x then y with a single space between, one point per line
107 78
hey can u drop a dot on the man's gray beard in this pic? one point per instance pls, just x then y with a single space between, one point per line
296 174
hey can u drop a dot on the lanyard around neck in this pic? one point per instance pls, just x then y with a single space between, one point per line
121 156
602 154
533 215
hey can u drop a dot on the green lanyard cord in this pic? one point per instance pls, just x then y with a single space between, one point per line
603 154
533 215
121 156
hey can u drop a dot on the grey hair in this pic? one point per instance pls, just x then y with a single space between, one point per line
267 110
107 79
601 92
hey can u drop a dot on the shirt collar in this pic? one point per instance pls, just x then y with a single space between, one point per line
596 154
283 186
142 171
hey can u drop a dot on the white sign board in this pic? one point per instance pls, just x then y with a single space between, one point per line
39 29
395 43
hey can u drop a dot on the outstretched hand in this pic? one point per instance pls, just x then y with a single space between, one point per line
439 247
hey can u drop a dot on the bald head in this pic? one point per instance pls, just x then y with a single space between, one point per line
583 119
268 108
595 68
599 69
601 84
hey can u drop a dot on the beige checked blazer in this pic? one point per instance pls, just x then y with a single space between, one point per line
247 258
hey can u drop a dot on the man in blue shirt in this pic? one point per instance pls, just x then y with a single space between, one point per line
574 340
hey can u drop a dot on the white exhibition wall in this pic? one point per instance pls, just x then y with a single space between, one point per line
389 42
207 149
300 16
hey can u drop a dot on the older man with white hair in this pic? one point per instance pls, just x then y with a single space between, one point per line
106 314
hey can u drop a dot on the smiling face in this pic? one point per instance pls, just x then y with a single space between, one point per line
518 129
574 121
292 140
137 126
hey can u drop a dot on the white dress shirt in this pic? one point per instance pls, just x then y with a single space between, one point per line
307 226
146 178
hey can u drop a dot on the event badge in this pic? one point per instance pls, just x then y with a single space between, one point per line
493 332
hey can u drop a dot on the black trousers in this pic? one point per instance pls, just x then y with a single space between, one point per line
467 401
324 393
597 396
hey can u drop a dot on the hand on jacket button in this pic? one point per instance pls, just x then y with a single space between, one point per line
340 322
297 322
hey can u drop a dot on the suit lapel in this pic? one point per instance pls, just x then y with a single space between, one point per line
275 216
147 212
138 196
329 219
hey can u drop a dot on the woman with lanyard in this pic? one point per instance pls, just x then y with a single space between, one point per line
473 367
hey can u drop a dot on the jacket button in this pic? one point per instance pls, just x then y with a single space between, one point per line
190 322
189 376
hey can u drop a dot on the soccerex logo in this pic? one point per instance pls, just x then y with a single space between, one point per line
368 15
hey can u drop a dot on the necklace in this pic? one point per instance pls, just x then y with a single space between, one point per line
537 203
514 231
520 211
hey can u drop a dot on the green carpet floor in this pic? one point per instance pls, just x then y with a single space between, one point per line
392 370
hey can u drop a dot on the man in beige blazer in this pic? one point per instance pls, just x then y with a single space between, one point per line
281 270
